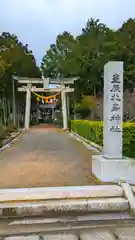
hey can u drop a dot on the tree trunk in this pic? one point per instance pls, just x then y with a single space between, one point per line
4 111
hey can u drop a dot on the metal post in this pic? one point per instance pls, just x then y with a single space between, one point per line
28 105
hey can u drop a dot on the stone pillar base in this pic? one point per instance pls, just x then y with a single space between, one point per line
113 170
65 129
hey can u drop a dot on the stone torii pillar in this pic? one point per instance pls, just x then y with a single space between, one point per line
65 105
28 106
64 109
68 107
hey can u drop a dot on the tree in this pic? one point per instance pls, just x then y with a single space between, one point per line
127 48
53 63
15 59
86 105
86 55
79 56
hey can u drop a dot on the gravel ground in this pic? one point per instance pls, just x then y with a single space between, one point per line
46 157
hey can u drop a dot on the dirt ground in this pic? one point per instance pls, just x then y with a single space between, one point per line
45 157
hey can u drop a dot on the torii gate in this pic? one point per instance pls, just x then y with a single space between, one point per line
28 88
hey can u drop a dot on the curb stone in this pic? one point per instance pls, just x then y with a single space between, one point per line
11 140
89 144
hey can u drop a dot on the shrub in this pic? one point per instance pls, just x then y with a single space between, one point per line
3 132
21 123
94 131
11 128
83 111
34 121
86 105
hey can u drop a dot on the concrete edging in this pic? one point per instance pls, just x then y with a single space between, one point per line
10 140
86 141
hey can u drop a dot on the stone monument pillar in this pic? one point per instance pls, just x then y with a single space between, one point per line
113 110
111 166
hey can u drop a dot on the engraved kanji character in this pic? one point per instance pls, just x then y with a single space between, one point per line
115 107
115 97
115 117
115 78
115 129
115 88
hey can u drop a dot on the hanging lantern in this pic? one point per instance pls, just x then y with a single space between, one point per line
47 100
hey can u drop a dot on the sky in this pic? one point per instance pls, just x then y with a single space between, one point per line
38 22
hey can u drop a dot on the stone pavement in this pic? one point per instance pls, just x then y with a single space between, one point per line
46 157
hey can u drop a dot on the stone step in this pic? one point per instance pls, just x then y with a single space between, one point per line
49 193
98 235
45 237
33 237
41 208
114 233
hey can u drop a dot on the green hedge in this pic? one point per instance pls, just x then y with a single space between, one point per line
94 131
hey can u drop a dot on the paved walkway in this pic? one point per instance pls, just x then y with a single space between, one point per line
46 157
